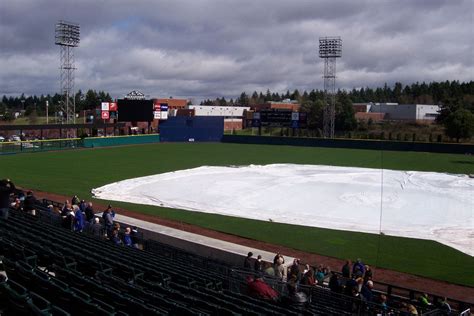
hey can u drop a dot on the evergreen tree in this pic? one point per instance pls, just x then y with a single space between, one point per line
345 119
460 124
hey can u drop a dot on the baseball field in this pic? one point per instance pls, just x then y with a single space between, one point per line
78 171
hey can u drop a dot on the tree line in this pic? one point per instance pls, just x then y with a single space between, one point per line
36 105
422 93
455 98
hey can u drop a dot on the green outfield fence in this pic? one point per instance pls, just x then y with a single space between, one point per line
7 148
352 144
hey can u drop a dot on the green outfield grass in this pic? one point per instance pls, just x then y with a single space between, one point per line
78 171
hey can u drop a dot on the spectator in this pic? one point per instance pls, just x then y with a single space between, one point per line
116 226
423 300
67 216
346 269
350 285
78 219
258 266
366 291
278 256
444 306
356 300
95 228
368 274
279 267
257 288
334 284
21 195
65 205
115 238
295 297
16 204
82 206
269 270
308 278
306 269
50 209
409 309
75 200
358 269
248 261
383 303
320 275
127 239
294 270
108 221
89 211
134 237
30 202
6 189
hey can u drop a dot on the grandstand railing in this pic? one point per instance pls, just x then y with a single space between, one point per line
40 145
236 277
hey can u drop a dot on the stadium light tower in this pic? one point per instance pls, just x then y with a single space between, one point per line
330 48
67 37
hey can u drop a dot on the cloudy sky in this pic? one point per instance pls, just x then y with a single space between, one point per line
200 48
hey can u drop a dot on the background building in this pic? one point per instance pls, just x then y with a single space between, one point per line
397 112
232 115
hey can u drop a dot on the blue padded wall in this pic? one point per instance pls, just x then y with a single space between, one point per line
196 128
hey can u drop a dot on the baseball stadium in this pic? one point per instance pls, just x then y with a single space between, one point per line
193 195
201 211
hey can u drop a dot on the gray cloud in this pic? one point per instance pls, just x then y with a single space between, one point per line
201 49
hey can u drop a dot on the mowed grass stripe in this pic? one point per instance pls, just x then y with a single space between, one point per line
78 171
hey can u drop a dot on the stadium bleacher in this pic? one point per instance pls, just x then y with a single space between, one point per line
49 270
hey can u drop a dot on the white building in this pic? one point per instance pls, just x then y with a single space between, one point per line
406 112
225 111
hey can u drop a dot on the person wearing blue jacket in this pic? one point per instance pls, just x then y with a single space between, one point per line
127 239
78 219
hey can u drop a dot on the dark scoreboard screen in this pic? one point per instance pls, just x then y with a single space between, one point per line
273 118
135 110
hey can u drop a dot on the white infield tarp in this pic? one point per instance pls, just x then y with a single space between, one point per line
425 205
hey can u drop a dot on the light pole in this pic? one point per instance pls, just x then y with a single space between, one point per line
47 110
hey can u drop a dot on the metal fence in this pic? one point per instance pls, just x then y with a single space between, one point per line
40 145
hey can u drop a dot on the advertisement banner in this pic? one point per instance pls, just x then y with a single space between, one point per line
105 115
105 106
113 106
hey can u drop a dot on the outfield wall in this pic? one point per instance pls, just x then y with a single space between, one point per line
92 142
352 144
8 148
